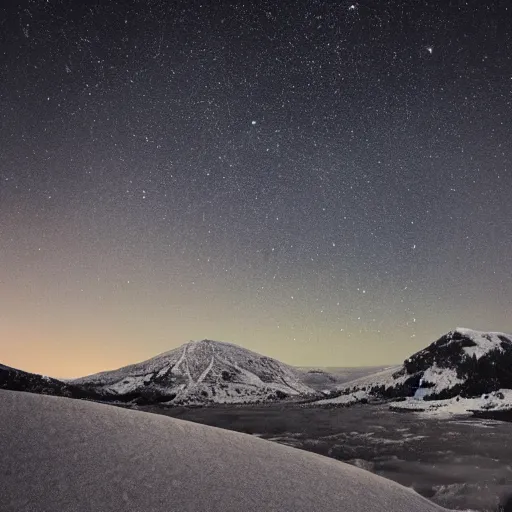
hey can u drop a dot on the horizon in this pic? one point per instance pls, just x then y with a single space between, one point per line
307 366
118 366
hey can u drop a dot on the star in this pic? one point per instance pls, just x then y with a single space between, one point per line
104 167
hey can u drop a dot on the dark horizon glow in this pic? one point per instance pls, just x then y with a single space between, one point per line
325 183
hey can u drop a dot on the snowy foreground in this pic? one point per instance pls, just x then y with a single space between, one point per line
64 455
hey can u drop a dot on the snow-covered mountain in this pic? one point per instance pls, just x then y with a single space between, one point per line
73 455
201 372
463 363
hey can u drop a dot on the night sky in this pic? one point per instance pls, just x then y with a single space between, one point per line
324 182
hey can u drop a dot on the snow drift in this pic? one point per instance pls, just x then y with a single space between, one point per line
73 455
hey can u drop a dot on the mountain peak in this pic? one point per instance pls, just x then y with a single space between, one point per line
202 371
476 343
207 341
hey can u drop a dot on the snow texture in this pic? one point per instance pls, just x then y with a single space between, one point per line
485 341
442 378
349 399
496 401
383 377
327 378
73 455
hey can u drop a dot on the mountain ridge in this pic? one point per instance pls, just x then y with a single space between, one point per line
15 379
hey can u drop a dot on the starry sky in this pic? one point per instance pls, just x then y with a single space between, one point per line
324 182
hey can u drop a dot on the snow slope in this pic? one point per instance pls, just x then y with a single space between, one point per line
358 389
345 399
462 362
484 342
72 455
327 378
496 401
18 380
385 375
202 372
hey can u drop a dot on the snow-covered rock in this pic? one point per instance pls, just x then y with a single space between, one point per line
462 362
494 402
72 455
202 372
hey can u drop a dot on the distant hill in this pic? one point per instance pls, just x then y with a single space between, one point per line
18 380
201 372
328 378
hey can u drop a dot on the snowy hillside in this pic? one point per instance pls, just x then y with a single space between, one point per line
201 372
495 402
328 378
462 362
18 380
72 455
